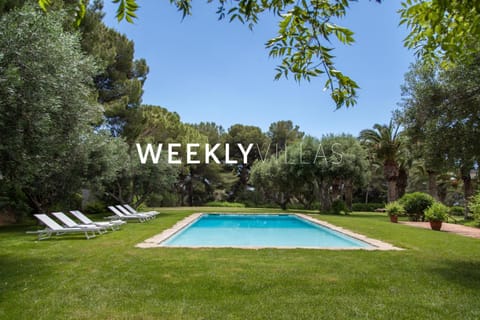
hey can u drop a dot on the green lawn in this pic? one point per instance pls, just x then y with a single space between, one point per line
437 277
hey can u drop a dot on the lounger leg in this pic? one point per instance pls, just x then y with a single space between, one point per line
44 235
88 236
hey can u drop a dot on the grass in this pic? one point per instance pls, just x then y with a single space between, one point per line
437 277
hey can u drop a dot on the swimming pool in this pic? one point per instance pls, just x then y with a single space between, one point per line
259 231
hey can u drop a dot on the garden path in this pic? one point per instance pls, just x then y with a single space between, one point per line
448 227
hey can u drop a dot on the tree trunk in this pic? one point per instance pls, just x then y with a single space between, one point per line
115 197
284 199
140 200
366 192
119 196
336 189
392 190
442 193
402 182
190 192
128 197
349 193
181 194
467 187
306 202
326 203
432 184
182 199
243 178
390 172
36 204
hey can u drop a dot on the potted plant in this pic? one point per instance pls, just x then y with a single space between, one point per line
436 214
394 209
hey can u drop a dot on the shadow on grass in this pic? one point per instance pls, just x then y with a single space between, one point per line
17 228
465 273
65 237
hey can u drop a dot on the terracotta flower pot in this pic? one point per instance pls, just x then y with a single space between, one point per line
394 218
436 225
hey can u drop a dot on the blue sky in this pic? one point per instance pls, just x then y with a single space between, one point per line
210 70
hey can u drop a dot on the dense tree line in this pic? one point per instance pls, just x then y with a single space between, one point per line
71 114
47 108
440 111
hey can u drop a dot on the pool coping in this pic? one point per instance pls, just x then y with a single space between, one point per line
376 245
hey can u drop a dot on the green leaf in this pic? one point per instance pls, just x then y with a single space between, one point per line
44 4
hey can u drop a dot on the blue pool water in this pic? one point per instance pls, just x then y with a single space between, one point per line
217 230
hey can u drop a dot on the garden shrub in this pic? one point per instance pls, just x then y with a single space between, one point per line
142 207
474 207
456 211
225 204
266 205
367 207
95 207
13 201
339 207
169 199
416 203
74 201
165 199
155 200
301 206
296 206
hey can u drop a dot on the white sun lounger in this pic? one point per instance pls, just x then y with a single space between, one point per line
126 212
113 224
119 214
72 224
54 228
129 208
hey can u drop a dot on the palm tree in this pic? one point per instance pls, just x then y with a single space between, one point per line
385 142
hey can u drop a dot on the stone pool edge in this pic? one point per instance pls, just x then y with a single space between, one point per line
154 242
377 245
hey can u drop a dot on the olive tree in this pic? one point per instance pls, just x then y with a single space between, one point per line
47 107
